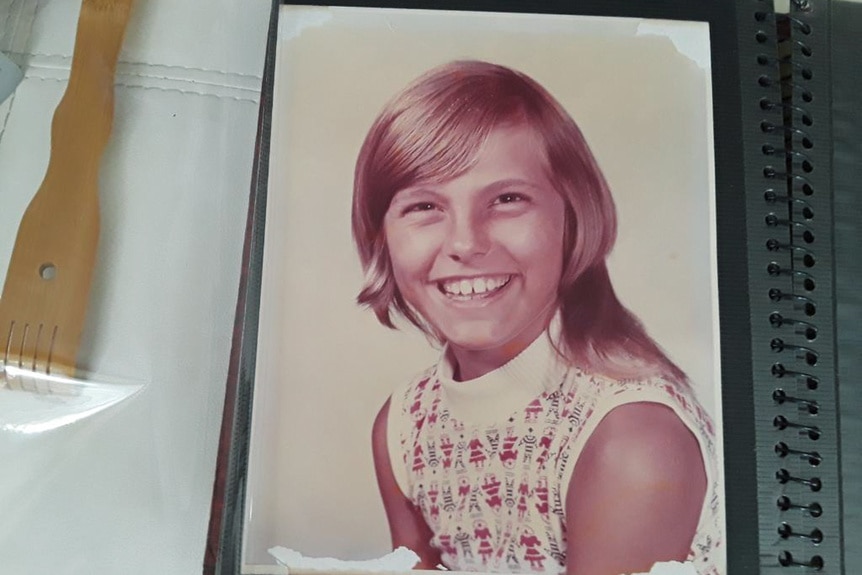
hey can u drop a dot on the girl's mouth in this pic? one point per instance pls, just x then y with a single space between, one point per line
473 288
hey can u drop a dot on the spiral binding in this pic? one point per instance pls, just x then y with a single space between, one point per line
792 243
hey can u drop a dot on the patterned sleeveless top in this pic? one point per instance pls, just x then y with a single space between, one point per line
488 462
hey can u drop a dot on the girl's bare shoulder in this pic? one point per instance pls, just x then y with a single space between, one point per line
646 439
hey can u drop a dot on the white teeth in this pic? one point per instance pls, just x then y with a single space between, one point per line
477 286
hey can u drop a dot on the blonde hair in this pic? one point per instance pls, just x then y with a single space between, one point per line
432 131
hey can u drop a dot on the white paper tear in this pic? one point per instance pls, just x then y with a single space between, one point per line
294 20
688 38
402 559
671 568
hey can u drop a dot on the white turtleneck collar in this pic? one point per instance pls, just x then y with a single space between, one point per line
537 369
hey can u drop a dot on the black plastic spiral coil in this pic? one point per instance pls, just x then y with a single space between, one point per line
792 242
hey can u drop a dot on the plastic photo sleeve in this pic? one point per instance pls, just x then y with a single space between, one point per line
123 195
488 330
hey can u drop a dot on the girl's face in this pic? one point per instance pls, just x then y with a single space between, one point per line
480 256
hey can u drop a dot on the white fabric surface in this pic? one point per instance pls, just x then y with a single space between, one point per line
10 76
128 490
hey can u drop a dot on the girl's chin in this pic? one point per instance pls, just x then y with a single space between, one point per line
491 332
481 340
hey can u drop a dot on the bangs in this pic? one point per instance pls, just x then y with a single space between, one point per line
434 130
432 145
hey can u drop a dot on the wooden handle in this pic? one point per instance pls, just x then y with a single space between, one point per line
46 294
83 119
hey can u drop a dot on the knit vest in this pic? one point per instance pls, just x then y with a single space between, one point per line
488 461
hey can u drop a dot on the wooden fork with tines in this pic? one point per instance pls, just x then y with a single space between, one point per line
47 289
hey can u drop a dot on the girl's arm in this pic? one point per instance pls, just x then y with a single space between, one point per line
406 524
636 493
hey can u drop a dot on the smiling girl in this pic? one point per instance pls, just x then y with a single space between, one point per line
553 435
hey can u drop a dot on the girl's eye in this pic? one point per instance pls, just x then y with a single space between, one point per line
418 207
510 198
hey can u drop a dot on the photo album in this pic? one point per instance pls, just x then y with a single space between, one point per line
549 288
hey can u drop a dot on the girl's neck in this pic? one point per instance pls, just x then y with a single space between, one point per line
472 363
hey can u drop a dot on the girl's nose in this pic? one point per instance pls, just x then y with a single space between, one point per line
467 239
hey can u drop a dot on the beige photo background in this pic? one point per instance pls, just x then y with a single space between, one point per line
640 91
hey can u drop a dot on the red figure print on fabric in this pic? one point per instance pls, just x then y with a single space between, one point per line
532 554
477 452
493 494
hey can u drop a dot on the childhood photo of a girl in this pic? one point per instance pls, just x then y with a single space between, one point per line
535 425
553 433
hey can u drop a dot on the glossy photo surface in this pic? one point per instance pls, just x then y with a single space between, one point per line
489 318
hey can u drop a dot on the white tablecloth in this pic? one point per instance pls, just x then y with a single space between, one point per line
127 490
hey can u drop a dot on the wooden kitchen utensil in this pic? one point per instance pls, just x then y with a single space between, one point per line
47 288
